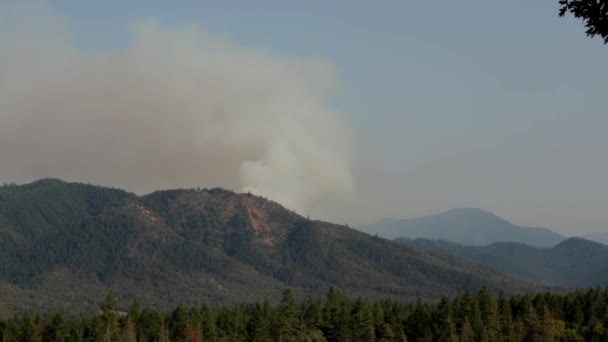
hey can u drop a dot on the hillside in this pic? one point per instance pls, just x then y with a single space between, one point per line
597 237
466 226
574 262
65 245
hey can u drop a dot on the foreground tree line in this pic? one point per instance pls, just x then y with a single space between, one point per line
481 316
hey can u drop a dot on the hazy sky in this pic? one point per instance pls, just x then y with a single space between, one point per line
396 108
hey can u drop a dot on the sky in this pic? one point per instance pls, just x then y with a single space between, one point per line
361 110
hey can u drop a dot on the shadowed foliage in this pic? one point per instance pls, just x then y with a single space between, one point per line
593 12
335 317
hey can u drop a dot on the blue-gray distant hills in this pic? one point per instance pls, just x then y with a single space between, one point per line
574 262
598 237
465 226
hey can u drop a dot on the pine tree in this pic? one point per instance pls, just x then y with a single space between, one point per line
108 327
547 326
30 331
57 330
238 324
150 325
378 314
386 333
533 328
363 324
446 328
315 335
476 321
178 324
130 329
289 318
420 322
259 326
312 312
466 332
3 331
488 306
208 323
506 318
336 317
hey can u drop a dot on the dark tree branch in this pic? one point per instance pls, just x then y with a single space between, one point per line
593 12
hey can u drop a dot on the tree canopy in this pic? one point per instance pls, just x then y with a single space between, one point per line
481 316
593 12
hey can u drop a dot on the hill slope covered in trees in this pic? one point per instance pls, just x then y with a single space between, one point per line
65 245
574 262
601 237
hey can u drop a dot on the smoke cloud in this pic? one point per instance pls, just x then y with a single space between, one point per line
177 107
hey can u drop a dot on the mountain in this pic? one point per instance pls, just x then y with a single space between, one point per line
574 262
466 226
598 237
63 246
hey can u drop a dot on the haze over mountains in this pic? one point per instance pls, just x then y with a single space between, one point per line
574 262
597 237
465 226
535 254
64 245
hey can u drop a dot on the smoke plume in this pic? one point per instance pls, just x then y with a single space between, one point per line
177 107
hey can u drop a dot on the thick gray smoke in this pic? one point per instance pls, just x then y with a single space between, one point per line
176 108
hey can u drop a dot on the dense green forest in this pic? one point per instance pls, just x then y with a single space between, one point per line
481 316
63 244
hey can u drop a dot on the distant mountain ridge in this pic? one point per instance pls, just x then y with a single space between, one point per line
601 237
64 245
574 262
466 226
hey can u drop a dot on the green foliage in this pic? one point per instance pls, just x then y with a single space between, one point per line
289 324
362 322
30 330
63 243
57 330
107 325
540 317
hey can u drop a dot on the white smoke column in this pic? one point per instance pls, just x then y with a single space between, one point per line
177 108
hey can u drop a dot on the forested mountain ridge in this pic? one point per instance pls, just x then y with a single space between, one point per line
601 237
466 226
65 245
575 262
